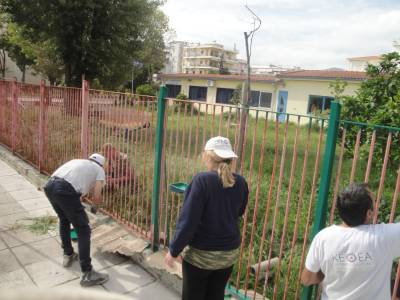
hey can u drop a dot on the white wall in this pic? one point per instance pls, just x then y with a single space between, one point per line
300 90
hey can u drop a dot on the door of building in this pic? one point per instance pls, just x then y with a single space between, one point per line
281 106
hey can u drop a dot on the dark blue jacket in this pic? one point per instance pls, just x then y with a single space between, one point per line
210 214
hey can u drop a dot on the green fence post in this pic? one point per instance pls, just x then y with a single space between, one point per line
157 168
326 175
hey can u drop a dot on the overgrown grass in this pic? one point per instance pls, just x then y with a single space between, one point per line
276 181
42 225
184 136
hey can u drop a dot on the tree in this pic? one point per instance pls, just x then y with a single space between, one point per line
98 38
152 52
146 89
237 95
377 102
3 46
2 59
42 56
16 53
337 88
47 61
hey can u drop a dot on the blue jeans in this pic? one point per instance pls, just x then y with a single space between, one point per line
66 203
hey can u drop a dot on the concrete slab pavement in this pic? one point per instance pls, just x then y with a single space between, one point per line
31 260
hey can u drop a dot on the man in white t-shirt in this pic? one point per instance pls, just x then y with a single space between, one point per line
67 184
353 260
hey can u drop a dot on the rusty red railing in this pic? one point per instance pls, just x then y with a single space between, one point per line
282 162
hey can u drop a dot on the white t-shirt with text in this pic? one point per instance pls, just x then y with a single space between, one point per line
356 261
82 174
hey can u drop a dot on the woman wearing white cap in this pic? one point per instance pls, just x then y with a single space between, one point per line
67 184
207 232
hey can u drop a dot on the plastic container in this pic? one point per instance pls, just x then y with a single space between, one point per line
73 235
178 187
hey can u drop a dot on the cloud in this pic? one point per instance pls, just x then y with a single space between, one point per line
306 33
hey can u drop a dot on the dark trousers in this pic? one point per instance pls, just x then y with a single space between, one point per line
200 284
66 203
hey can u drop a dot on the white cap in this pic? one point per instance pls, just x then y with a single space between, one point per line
98 158
221 146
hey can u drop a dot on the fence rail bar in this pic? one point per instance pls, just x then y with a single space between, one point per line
14 117
85 119
42 124
360 124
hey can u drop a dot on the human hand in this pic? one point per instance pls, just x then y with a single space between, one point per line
169 260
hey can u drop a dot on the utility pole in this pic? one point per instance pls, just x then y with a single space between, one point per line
246 95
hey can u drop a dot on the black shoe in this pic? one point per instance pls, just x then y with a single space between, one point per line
92 277
69 259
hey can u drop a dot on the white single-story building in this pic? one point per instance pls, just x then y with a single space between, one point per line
298 92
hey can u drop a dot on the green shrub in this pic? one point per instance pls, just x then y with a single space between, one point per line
184 105
182 96
376 102
146 89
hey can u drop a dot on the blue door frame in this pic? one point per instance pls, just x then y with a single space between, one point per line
281 105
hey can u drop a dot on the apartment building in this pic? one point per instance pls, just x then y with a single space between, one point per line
271 69
360 63
211 59
174 54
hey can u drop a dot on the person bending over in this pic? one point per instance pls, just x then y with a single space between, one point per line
66 186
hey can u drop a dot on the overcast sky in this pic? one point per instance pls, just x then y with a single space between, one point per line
312 34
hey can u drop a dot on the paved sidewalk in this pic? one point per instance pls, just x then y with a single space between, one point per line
30 260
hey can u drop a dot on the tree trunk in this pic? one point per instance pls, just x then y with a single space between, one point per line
23 69
68 75
72 105
3 63
52 80
150 70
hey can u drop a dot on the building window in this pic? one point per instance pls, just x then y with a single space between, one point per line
260 99
318 104
198 93
173 90
224 95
